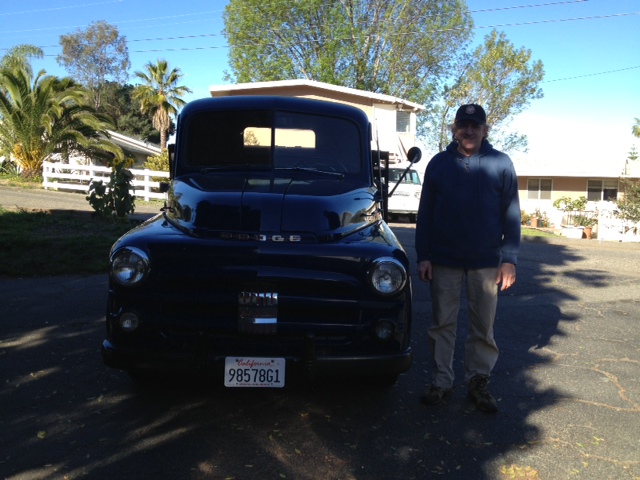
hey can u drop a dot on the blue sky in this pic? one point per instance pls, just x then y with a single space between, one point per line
590 50
592 73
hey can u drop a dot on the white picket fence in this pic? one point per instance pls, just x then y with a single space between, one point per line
612 228
62 176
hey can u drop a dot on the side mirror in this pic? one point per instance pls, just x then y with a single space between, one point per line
171 151
414 155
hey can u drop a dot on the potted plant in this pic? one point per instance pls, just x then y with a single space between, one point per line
571 208
587 222
543 220
536 219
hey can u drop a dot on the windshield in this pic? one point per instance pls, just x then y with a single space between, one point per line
246 139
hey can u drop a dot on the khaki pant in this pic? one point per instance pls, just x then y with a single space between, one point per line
481 352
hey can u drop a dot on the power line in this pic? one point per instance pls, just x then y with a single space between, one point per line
214 47
184 37
499 9
120 22
404 33
557 20
590 74
59 8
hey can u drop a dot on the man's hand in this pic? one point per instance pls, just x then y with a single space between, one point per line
506 275
425 270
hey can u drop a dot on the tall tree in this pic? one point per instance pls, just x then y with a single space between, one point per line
95 55
383 46
414 49
498 76
160 96
47 116
118 102
635 130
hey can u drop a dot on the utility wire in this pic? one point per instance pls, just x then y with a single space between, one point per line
209 35
218 11
499 9
590 74
488 10
596 17
535 22
3 14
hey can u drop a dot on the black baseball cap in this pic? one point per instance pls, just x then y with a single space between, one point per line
472 112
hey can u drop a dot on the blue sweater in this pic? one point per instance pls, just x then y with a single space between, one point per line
469 212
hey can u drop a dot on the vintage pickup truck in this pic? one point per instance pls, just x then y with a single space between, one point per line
271 258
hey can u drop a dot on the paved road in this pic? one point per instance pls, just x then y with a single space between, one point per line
568 383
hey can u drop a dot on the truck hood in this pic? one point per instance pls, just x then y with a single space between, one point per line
245 206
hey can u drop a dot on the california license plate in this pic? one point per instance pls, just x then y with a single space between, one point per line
254 372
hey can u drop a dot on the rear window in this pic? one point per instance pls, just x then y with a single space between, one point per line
411 178
266 139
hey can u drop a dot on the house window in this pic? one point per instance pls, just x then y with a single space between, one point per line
598 190
403 122
539 189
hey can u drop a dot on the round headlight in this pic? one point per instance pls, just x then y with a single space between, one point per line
387 276
129 266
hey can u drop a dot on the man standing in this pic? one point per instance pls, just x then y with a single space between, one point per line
468 227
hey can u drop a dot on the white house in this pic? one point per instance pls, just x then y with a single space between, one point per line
542 182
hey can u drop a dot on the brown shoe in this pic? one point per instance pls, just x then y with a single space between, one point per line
434 395
479 393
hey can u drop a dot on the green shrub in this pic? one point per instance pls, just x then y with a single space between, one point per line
114 199
158 163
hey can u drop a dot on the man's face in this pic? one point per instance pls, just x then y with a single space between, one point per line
469 136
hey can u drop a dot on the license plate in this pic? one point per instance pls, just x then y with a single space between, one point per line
254 372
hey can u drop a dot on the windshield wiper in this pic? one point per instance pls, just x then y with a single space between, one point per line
235 166
312 170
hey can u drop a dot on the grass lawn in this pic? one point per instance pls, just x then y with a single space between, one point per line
43 244
534 232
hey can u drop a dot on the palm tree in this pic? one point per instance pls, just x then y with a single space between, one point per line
48 115
160 96
18 57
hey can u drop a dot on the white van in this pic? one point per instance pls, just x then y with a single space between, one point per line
406 198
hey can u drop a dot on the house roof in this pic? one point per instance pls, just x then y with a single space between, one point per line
134 145
574 169
276 86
